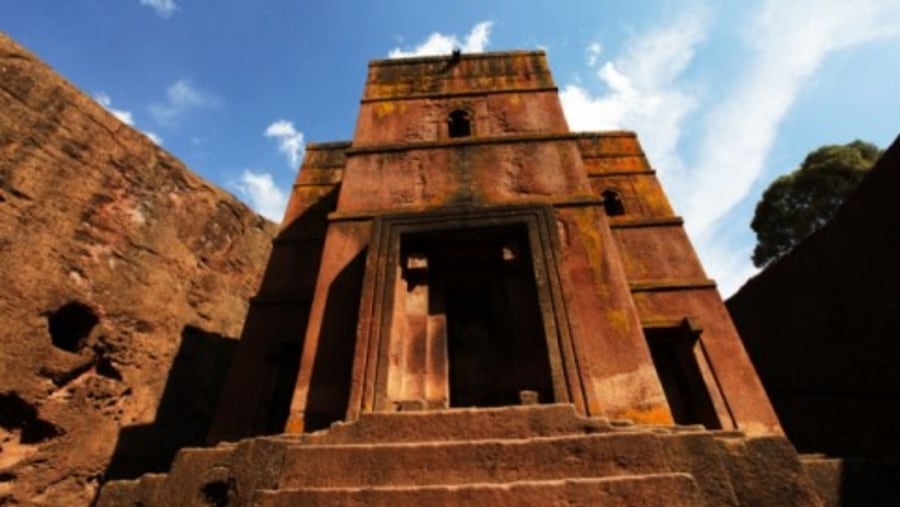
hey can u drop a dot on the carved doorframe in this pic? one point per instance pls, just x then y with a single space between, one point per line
369 374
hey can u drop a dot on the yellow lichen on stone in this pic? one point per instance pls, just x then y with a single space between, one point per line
586 224
383 109
657 414
619 320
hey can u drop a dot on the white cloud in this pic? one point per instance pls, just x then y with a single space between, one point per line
153 137
290 140
265 197
123 116
593 51
180 97
788 44
643 89
165 8
789 41
647 91
439 44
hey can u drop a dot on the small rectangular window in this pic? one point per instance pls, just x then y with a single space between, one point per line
459 123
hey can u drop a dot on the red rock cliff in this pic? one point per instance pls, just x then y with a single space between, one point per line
123 275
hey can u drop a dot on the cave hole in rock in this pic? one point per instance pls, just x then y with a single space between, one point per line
38 431
70 326
216 493
105 368
16 413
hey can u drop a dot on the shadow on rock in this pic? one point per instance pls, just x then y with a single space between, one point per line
185 410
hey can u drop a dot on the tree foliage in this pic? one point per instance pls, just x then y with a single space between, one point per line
800 202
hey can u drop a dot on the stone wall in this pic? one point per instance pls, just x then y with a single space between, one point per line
822 325
123 278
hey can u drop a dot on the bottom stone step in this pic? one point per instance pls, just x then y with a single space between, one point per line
657 490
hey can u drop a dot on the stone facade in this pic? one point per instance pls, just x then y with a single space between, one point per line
468 304
464 242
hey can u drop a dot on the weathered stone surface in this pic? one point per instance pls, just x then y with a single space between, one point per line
123 277
472 423
433 265
662 490
766 472
464 248
821 325
563 459
847 482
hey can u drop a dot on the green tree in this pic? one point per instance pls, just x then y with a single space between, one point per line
800 202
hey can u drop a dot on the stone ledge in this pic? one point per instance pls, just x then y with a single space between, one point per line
349 216
649 490
635 222
671 284
447 95
610 174
465 141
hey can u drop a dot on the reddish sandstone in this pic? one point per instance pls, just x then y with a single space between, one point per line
464 247
124 277
483 308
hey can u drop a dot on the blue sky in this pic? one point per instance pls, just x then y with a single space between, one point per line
725 96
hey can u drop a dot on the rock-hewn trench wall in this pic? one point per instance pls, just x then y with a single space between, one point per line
822 325
123 278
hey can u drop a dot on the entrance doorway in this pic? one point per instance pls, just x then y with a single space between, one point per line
481 286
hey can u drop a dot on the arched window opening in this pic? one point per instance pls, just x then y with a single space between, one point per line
612 203
459 124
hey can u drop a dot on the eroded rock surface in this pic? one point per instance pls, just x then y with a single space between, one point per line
122 277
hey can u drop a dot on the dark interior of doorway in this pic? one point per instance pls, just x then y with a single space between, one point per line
483 280
672 349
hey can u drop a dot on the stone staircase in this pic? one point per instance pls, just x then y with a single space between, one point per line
540 455
870 482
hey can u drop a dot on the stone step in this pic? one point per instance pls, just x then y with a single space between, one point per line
488 451
195 466
144 491
460 424
657 490
478 424
268 462
472 461
767 471
854 481
826 473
